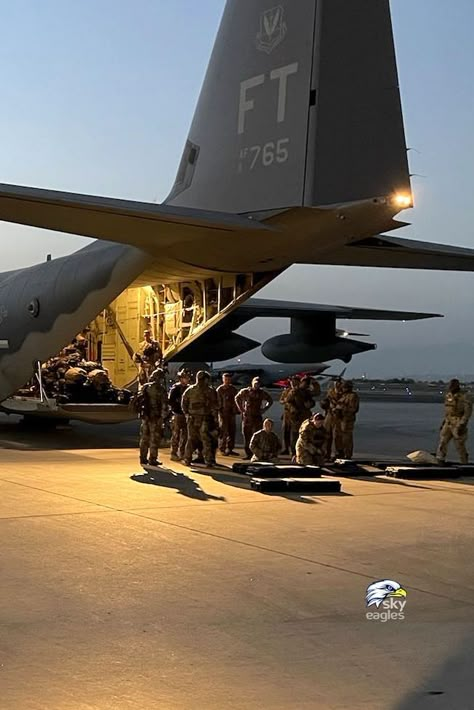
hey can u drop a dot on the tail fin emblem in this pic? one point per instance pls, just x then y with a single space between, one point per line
273 29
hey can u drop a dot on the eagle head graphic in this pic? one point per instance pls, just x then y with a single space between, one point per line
377 592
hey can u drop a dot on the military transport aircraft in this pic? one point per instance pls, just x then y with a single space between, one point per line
296 154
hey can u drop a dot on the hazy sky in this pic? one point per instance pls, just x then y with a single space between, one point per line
97 97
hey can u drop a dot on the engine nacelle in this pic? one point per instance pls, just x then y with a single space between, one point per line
290 349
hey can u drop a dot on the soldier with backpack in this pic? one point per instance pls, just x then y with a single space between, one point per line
151 403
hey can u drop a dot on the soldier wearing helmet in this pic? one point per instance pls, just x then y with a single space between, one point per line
458 411
333 420
293 383
153 409
179 427
199 404
346 409
252 402
299 403
147 357
312 442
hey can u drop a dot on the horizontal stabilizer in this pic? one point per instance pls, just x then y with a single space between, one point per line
395 253
139 224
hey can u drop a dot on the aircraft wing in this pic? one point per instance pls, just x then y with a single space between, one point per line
267 308
395 253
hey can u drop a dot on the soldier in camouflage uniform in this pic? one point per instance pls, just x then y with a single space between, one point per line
179 426
292 384
299 402
333 420
153 408
311 446
252 402
265 444
347 408
458 410
226 395
199 404
148 356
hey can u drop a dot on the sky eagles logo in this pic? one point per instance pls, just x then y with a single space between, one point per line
273 29
386 589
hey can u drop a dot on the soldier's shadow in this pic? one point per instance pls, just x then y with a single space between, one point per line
166 478
229 478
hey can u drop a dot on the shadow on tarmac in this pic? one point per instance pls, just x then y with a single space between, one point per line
407 483
449 687
15 434
386 480
243 482
165 478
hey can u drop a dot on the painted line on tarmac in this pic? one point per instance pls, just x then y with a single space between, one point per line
318 563
17 445
54 515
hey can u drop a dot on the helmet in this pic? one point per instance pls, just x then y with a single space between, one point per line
202 375
184 373
157 375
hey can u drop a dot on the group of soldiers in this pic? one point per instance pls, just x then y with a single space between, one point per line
333 432
204 419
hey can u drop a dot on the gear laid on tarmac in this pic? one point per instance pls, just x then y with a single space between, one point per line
244 467
269 470
295 485
352 469
407 464
424 473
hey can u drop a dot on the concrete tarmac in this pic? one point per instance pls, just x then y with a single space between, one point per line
186 591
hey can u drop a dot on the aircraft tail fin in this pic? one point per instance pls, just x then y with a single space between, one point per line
300 106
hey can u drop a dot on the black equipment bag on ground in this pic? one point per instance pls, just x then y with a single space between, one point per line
295 485
424 473
350 468
281 471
